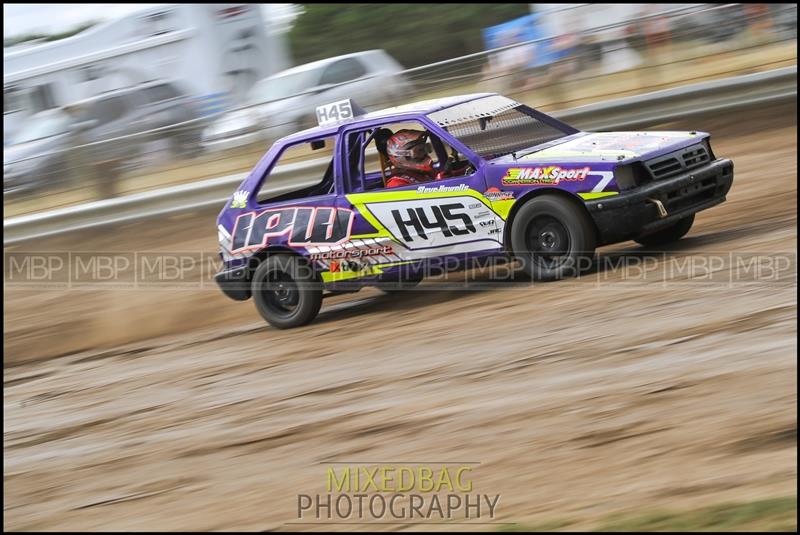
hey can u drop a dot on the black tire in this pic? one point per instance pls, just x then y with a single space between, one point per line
286 292
553 238
668 235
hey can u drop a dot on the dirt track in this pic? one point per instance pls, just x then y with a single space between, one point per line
578 399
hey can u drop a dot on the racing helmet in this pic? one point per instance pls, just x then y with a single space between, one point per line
408 149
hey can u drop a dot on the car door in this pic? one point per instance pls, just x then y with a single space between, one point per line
165 105
435 219
291 202
106 113
121 110
139 116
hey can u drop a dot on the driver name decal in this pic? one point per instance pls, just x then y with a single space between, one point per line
442 188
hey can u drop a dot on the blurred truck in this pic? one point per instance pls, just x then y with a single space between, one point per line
216 51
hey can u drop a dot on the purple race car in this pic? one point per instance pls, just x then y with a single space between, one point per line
512 182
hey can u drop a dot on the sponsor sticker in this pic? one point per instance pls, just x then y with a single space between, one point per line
341 254
240 199
494 194
300 225
551 175
337 266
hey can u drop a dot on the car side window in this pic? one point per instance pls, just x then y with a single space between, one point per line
108 109
368 160
344 70
160 93
289 172
97 111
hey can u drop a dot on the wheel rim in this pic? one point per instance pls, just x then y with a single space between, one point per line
548 242
280 293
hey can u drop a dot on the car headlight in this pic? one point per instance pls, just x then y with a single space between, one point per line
229 128
707 144
630 176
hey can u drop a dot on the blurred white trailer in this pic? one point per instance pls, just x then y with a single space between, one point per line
215 53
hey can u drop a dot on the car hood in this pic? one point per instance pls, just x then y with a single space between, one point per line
233 122
598 147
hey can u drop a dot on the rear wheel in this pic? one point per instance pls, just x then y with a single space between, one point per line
286 292
552 238
670 234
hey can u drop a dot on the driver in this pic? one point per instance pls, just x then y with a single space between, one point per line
411 162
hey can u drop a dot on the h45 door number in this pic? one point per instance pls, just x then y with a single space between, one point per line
427 223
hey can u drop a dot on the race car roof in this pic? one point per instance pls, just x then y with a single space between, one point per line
415 108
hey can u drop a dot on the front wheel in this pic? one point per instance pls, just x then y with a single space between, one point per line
553 238
286 292
670 234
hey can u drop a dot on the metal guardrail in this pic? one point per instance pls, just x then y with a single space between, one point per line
703 98
716 96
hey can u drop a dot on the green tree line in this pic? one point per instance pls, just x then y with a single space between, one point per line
23 38
414 34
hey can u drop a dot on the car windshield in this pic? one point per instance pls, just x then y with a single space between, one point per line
283 86
43 127
495 126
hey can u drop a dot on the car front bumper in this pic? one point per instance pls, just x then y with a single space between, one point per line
234 282
637 212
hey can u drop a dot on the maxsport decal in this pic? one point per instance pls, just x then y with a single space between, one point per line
551 175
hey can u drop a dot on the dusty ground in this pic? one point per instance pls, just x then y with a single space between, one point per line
181 410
